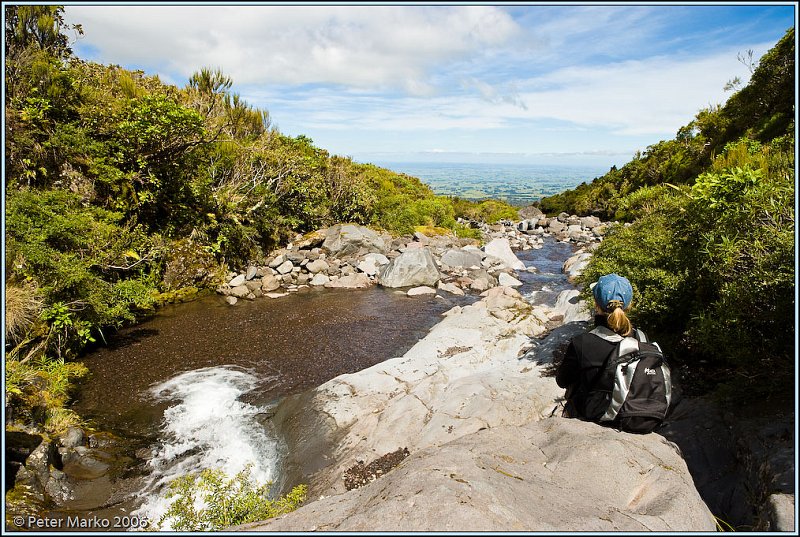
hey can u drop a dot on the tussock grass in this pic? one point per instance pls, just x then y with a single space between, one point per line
23 306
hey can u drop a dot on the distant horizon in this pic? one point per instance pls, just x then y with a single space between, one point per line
517 184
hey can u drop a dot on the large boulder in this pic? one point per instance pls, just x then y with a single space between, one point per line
460 258
501 249
412 268
555 475
350 240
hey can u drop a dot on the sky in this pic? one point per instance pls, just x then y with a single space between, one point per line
572 84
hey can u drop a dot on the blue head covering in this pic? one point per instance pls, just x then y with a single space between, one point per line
612 287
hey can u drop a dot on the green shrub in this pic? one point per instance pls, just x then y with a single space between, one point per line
38 391
713 266
211 501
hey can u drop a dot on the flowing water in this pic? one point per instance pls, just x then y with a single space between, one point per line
191 388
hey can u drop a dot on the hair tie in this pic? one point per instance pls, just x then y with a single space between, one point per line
614 304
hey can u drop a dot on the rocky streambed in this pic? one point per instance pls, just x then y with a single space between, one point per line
441 407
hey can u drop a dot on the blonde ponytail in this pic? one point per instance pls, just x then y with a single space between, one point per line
617 320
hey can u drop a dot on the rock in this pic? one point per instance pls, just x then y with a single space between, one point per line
251 272
319 279
253 285
421 237
501 249
555 475
556 226
422 290
462 258
187 265
86 465
72 438
275 295
296 257
319 265
781 512
508 280
600 230
590 222
237 281
368 267
348 239
270 283
278 261
353 281
285 267
240 291
232 300
451 288
411 268
378 259
575 265
479 284
572 307
531 213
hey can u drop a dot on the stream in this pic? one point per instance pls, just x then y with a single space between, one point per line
192 387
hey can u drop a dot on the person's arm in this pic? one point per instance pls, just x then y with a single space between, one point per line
569 370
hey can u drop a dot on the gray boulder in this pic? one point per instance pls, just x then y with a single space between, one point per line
461 258
318 265
590 222
237 281
269 283
411 268
501 249
319 279
348 239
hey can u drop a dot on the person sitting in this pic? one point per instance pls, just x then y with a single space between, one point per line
588 392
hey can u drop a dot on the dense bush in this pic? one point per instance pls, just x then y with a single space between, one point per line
712 265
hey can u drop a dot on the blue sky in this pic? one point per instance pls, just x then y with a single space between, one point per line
560 84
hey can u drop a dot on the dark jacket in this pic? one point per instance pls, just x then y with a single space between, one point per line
584 357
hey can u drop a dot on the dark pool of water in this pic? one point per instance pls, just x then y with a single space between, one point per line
290 344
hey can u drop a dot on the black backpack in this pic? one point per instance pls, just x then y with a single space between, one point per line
641 387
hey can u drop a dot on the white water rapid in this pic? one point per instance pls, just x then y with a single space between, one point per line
207 427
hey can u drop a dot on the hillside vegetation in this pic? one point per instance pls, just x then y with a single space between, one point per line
123 192
711 251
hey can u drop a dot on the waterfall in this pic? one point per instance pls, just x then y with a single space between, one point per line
206 427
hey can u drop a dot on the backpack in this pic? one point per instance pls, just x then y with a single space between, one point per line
641 381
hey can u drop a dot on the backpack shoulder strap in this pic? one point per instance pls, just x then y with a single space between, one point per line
640 335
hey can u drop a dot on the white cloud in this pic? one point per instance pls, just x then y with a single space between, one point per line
654 96
363 46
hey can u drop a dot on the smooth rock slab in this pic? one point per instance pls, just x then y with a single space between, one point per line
556 475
